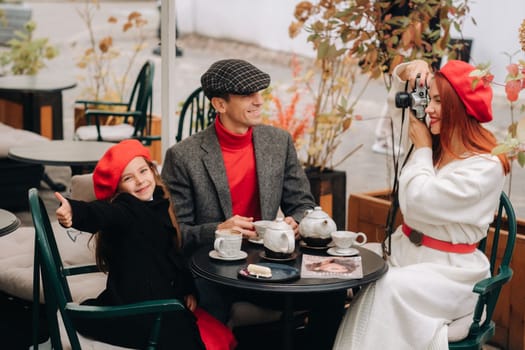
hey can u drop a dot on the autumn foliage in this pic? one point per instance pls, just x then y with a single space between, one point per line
284 114
107 71
514 143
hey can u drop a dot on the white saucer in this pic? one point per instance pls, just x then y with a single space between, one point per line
346 252
256 241
215 255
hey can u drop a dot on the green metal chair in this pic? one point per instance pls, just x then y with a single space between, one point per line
482 329
196 114
135 120
57 294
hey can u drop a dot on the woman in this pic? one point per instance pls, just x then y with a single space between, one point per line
448 192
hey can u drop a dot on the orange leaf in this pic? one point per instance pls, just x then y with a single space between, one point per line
126 26
512 89
513 69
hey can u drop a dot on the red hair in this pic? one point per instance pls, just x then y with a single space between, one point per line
455 121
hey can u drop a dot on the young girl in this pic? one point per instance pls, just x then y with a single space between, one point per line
138 245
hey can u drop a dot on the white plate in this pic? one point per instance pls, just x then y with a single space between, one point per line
215 255
346 252
256 241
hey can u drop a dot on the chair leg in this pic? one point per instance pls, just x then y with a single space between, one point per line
55 186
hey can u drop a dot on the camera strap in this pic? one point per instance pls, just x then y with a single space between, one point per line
394 206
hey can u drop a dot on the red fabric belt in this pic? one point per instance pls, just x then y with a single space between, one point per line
418 238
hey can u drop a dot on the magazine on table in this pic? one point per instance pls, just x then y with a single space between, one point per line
348 267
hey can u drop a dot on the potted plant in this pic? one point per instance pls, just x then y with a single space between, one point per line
26 54
301 117
14 14
102 59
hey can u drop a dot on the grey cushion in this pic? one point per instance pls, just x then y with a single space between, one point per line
16 137
82 188
111 133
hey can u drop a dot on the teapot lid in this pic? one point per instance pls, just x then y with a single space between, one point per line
318 213
279 225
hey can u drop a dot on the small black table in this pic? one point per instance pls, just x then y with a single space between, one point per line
225 273
8 222
34 92
75 154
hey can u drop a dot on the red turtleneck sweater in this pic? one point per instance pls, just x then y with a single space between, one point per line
239 161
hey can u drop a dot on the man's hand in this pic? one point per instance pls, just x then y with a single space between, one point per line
295 226
64 213
240 223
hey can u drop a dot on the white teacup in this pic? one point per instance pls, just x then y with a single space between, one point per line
228 243
260 227
345 239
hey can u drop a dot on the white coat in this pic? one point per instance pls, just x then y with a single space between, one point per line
426 289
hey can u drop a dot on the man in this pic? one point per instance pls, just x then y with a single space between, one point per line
238 171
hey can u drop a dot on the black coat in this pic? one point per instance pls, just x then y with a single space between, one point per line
144 264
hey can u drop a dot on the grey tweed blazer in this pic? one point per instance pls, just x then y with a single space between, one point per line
194 172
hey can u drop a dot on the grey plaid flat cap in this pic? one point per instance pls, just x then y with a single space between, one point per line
235 77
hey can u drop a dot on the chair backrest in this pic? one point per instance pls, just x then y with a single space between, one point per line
196 114
141 99
505 219
482 329
48 262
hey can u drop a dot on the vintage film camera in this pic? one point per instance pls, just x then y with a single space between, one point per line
417 100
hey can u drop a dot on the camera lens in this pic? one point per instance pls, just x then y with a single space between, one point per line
402 100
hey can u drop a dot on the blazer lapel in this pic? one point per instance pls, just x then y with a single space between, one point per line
214 164
263 159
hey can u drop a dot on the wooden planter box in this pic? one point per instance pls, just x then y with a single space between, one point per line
329 190
367 212
12 114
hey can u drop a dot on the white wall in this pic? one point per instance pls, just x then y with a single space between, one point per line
265 23
261 22
496 32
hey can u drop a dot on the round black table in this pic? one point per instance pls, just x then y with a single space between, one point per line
60 152
8 222
75 154
225 273
34 92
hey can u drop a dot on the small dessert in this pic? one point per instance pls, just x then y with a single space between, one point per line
259 271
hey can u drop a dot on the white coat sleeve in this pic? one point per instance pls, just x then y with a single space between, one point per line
464 191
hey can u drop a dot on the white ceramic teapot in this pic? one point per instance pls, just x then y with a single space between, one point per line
316 227
279 240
